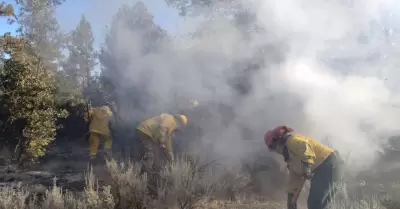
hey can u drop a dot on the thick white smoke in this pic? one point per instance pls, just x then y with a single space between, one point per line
328 70
348 102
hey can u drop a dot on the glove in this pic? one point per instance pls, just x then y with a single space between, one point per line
307 174
289 202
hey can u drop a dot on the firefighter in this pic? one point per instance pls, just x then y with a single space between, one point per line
100 119
155 135
307 159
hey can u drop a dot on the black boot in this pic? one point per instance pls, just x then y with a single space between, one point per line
107 155
93 161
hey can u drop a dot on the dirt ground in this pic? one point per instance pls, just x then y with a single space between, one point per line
243 205
68 162
65 162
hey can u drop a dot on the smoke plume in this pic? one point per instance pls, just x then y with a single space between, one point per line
325 68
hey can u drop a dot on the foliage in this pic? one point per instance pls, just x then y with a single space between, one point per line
28 82
116 61
185 185
39 87
76 84
78 67
31 94
6 9
40 27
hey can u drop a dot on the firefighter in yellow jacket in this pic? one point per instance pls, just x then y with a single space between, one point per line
100 119
307 159
156 134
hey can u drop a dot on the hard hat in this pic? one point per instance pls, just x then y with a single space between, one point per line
112 105
272 135
183 120
108 104
194 102
268 138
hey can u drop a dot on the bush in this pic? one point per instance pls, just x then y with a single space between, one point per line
372 199
185 184
234 184
55 198
31 91
130 188
13 198
73 126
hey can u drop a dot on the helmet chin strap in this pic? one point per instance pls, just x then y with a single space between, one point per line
287 135
285 153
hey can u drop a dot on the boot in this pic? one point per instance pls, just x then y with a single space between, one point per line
107 155
93 161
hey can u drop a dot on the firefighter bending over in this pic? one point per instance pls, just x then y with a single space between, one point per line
100 119
307 159
156 134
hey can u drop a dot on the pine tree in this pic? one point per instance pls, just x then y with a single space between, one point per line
82 56
115 63
40 27
76 75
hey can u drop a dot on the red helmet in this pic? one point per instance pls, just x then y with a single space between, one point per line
274 133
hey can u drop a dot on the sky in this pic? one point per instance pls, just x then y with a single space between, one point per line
4 27
100 13
69 15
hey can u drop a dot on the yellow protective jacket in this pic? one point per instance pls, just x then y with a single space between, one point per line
160 129
100 117
303 149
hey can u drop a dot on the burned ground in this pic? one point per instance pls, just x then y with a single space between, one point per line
63 174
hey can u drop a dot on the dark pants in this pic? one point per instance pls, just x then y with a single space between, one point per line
153 161
326 176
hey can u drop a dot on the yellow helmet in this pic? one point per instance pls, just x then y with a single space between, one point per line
194 102
183 120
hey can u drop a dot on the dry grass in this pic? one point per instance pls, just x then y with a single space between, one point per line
187 184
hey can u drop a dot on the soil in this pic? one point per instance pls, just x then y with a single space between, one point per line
64 164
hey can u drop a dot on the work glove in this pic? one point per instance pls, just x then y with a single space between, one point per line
289 202
307 174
